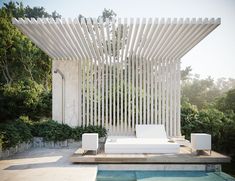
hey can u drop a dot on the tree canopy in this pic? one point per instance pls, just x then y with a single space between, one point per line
20 58
203 92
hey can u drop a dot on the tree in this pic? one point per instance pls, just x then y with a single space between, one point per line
107 14
185 74
225 84
8 35
20 58
25 70
203 92
227 102
39 12
200 92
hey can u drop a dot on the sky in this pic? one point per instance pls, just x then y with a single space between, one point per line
214 56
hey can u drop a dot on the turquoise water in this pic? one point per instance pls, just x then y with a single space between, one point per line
162 176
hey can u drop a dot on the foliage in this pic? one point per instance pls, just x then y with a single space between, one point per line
10 135
39 12
221 126
212 122
20 58
209 106
13 133
185 74
200 92
51 130
78 131
203 92
23 129
25 71
1 140
227 102
24 97
189 119
108 14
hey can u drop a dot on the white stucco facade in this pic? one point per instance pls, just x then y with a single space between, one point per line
71 92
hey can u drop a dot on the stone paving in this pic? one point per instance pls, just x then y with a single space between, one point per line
44 164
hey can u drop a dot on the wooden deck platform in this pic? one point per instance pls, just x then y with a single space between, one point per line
184 157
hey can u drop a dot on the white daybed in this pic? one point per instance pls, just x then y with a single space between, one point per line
149 139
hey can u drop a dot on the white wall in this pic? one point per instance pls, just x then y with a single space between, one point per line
71 92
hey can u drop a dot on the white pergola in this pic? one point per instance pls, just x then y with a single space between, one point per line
117 73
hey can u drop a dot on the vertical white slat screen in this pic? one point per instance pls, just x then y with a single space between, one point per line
167 98
83 94
80 91
128 70
87 81
144 91
118 74
140 90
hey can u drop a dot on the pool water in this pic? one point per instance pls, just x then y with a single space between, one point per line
162 176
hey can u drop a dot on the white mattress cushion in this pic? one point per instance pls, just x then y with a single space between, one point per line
151 131
140 145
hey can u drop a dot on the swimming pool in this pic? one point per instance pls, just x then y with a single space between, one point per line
162 176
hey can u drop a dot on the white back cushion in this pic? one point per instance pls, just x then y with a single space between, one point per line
151 131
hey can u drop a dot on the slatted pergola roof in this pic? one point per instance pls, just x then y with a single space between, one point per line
92 38
124 72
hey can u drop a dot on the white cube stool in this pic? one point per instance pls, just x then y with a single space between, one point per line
201 141
90 141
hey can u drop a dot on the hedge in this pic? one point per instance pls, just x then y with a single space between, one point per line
13 133
23 130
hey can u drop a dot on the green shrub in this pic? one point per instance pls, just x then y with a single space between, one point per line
10 135
51 130
228 138
13 133
227 102
27 121
95 129
189 119
1 140
78 131
212 122
203 121
23 129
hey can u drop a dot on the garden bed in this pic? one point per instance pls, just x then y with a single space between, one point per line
39 142
22 134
